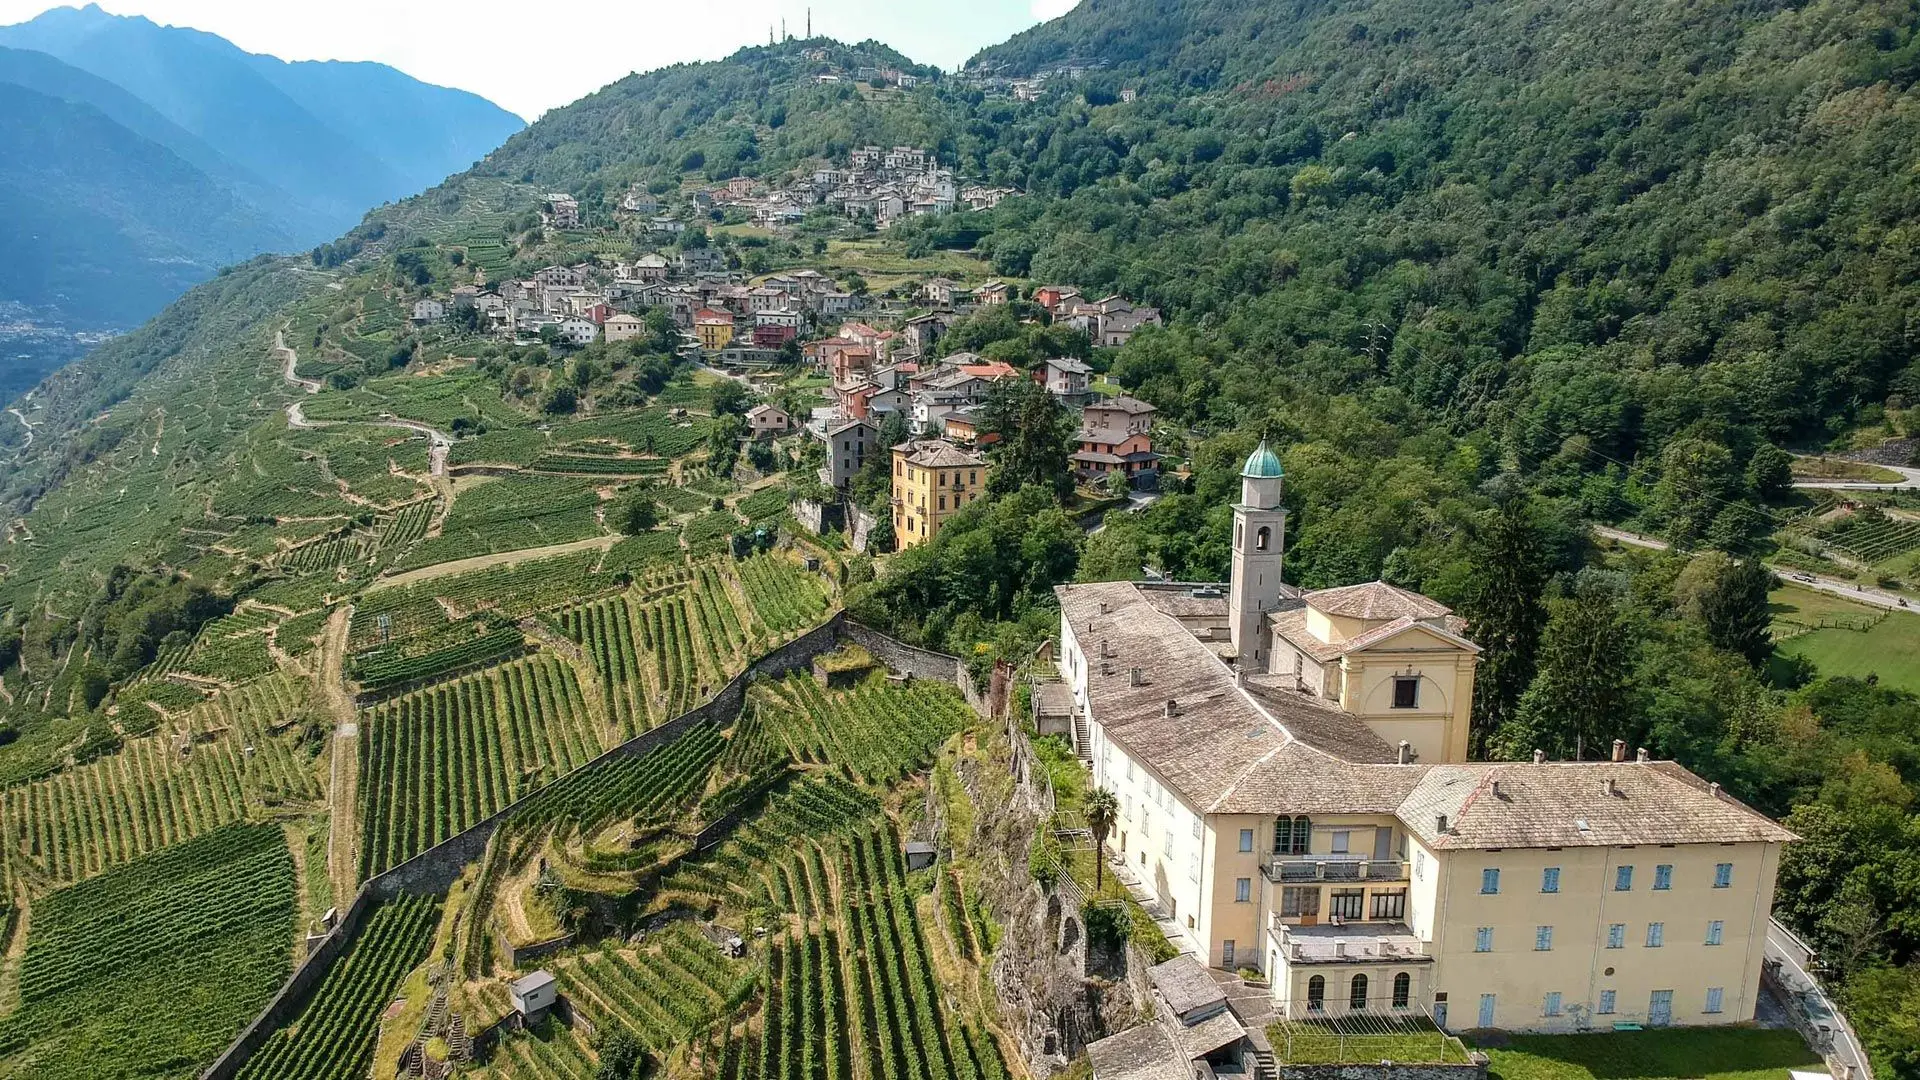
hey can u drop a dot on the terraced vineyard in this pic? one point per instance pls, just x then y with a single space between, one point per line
782 596
407 524
333 1038
101 954
325 555
668 644
435 761
777 858
880 730
150 795
400 614
232 648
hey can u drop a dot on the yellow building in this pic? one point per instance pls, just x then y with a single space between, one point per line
932 480
713 328
1294 793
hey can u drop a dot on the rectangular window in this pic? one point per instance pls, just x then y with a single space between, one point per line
1552 1007
1550 879
1605 1007
1390 905
1193 866
1622 878
1406 692
1617 936
1656 935
1489 882
1543 939
1242 890
943 502
1299 901
1483 939
1419 865
1347 903
1723 875
1714 931
1663 876
1246 839
1166 847
1715 995
1341 838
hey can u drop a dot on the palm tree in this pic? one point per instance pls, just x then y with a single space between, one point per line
1102 811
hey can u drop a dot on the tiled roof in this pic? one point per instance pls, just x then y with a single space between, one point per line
1626 802
1185 984
938 454
1376 600
1132 406
1147 1052
1265 749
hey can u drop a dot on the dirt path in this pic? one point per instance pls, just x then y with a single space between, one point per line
25 423
483 562
343 786
438 442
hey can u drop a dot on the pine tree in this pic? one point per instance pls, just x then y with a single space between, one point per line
1504 613
1583 695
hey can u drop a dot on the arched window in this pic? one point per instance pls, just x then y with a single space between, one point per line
1239 534
1260 538
1317 993
1402 990
1357 993
1302 835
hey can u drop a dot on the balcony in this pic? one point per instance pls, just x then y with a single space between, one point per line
1300 869
1348 943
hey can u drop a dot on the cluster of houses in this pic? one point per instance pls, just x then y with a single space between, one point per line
878 374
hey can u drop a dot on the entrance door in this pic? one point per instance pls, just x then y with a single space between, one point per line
1440 1015
1660 1009
1486 1010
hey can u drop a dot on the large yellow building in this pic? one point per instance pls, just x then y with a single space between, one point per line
932 480
713 328
1294 792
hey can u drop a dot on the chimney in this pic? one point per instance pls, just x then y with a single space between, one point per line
1640 756
1406 752
1495 789
1539 757
1607 788
1103 607
1239 676
1137 676
1339 948
1173 707
1713 789
1440 824
1619 749
1105 649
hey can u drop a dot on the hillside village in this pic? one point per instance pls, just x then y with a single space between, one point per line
745 623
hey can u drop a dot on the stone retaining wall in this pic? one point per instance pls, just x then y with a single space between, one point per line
1475 1070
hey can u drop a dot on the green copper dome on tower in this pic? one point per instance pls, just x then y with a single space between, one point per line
1262 462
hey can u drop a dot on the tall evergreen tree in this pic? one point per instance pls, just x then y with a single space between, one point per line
1583 694
1510 568
1035 438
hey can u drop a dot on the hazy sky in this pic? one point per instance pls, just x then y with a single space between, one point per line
531 57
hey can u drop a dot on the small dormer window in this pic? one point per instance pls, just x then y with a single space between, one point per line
1406 691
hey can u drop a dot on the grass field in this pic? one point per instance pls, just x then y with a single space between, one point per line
1826 468
1796 609
1733 1053
1890 650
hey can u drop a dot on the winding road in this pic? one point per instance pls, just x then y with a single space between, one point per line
1911 481
1859 593
438 442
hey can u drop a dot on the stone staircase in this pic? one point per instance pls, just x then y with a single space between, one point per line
1082 738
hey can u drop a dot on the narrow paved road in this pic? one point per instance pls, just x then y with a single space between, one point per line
343 788
1910 483
1860 593
1844 1050
289 359
438 442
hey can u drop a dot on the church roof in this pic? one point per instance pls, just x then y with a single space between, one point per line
1376 600
1262 462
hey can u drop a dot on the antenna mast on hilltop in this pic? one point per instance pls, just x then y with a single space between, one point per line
809 24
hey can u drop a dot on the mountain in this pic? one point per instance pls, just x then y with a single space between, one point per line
258 154
335 137
78 235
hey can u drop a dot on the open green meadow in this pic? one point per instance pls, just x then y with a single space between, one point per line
1726 1053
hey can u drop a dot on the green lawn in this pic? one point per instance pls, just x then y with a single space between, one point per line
1368 1039
1891 650
1826 468
1796 608
1738 1053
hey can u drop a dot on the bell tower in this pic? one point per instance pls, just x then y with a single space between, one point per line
1259 539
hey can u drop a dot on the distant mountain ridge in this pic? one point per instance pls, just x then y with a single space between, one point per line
137 159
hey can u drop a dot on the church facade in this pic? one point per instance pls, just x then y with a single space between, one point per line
1294 790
